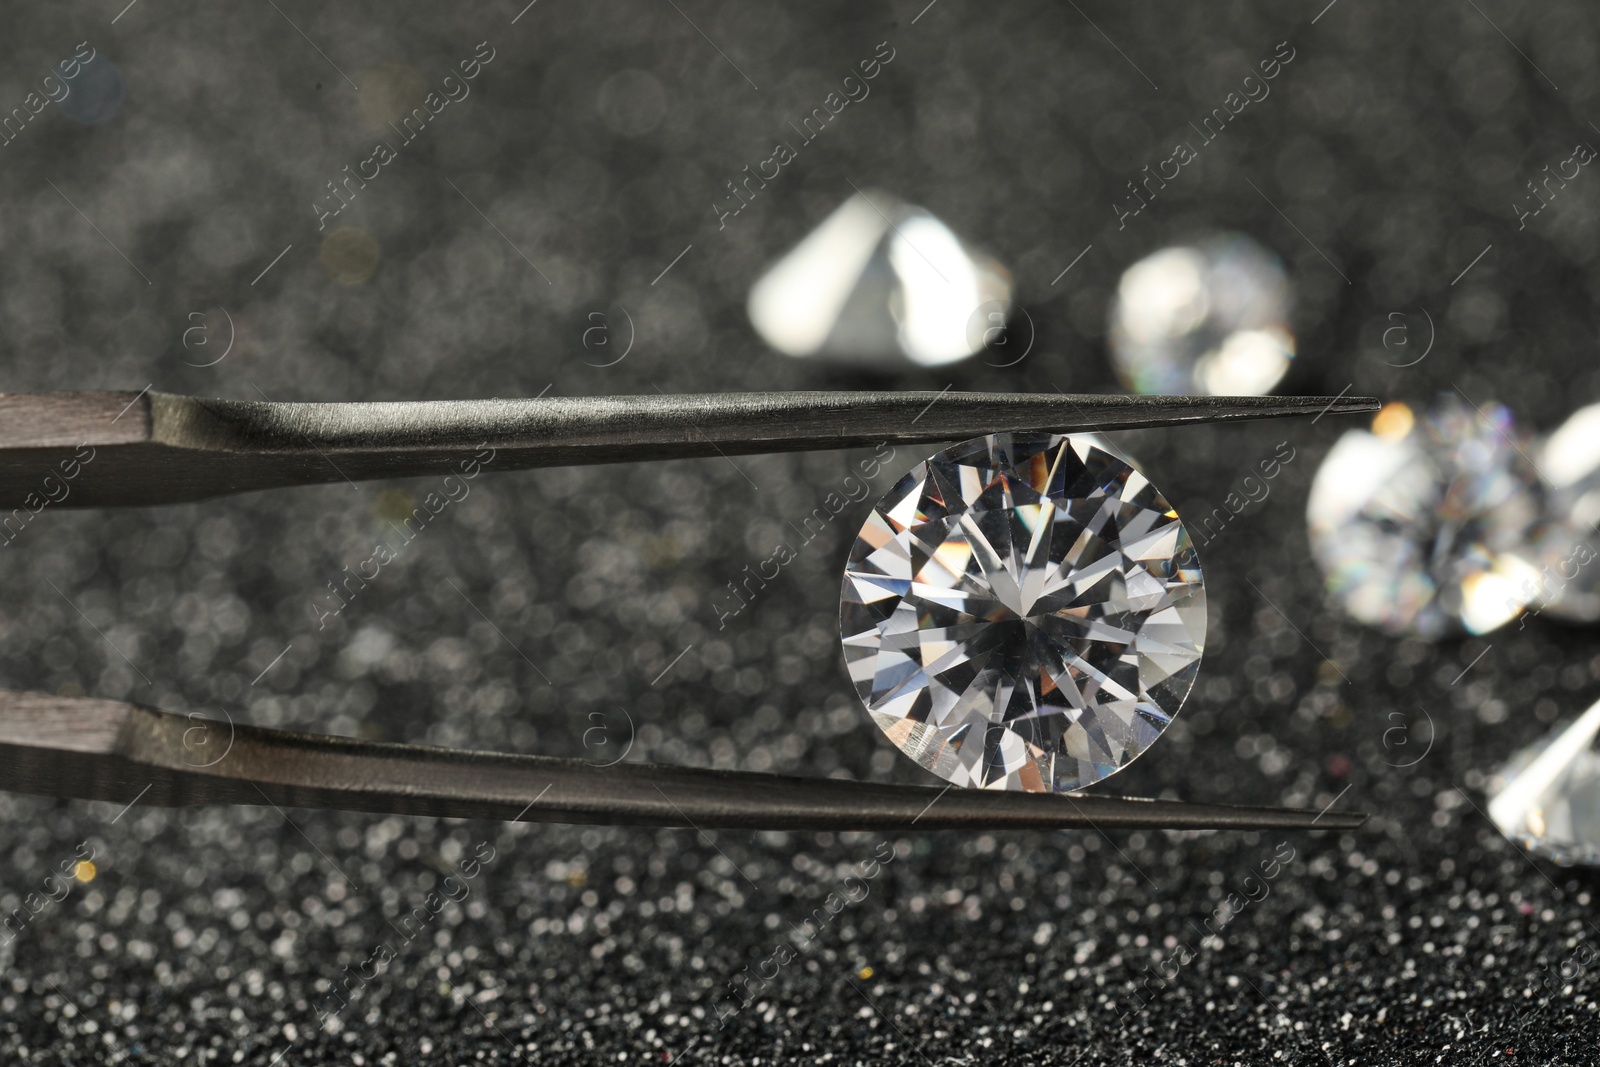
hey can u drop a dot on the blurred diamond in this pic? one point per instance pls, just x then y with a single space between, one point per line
1547 797
1567 549
1209 319
878 283
1421 526
1024 612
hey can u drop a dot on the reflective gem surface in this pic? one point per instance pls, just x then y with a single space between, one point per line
1208 319
881 283
1547 797
1023 611
1567 549
1422 525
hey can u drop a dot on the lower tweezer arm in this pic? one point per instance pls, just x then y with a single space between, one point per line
91 749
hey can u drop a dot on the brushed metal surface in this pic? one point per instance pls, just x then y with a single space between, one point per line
91 749
157 448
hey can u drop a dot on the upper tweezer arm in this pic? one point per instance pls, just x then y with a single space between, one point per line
128 449
91 749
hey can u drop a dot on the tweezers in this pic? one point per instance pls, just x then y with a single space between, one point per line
127 449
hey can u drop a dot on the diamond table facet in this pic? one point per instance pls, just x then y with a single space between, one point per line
1023 611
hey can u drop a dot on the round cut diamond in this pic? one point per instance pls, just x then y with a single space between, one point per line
1422 526
1023 611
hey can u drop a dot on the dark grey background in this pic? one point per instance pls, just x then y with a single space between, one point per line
596 142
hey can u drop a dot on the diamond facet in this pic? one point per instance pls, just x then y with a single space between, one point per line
1547 797
1422 525
1210 319
1023 611
879 283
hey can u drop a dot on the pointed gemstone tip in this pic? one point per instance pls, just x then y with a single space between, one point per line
1547 797
881 283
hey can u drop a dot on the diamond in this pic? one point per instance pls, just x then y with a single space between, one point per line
1569 467
881 282
1421 526
1024 612
1547 797
1210 318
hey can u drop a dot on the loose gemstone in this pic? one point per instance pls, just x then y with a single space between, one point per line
1567 549
1423 525
1024 612
1547 797
1209 319
881 283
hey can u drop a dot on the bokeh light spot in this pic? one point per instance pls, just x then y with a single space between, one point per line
349 255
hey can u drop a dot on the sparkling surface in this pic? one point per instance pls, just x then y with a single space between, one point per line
1023 612
1421 526
1210 318
881 282
1547 797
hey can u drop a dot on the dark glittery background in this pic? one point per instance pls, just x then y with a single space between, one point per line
1392 150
